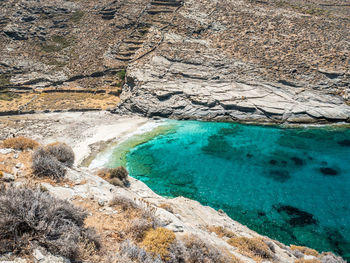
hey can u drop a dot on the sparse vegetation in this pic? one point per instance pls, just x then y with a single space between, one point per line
57 43
307 261
4 79
252 247
116 176
305 250
8 96
121 74
30 217
158 241
44 164
221 231
123 202
166 207
131 252
199 251
62 152
77 16
20 143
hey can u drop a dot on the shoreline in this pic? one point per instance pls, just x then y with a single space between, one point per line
87 133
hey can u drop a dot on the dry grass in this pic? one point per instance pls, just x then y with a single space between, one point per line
221 231
63 101
158 241
166 207
8 162
20 143
252 247
198 250
307 261
16 103
305 250
128 222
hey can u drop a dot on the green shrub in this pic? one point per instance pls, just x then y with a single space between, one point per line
31 217
76 16
121 74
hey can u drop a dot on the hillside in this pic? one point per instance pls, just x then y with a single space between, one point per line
260 61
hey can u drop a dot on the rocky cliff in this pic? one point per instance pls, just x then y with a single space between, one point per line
260 61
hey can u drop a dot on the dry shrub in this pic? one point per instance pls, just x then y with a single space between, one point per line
307 261
31 217
252 247
142 221
123 202
221 231
305 250
138 227
62 152
116 176
1 174
119 172
20 143
199 251
166 207
44 164
129 252
158 241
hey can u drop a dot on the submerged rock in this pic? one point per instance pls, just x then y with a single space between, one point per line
298 218
327 171
279 175
345 143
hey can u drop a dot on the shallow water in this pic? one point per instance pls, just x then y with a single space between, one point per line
289 184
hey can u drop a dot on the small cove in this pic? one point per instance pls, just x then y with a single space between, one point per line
291 184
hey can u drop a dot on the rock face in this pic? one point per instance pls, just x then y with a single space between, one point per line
244 61
208 88
247 60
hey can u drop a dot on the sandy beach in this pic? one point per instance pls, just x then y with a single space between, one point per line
85 132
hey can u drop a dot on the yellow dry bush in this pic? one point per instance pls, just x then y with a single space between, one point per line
305 250
307 261
221 231
158 241
252 247
1 174
20 143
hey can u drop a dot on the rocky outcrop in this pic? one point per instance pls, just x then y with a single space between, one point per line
207 87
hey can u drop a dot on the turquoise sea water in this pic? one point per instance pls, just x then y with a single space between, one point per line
292 185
